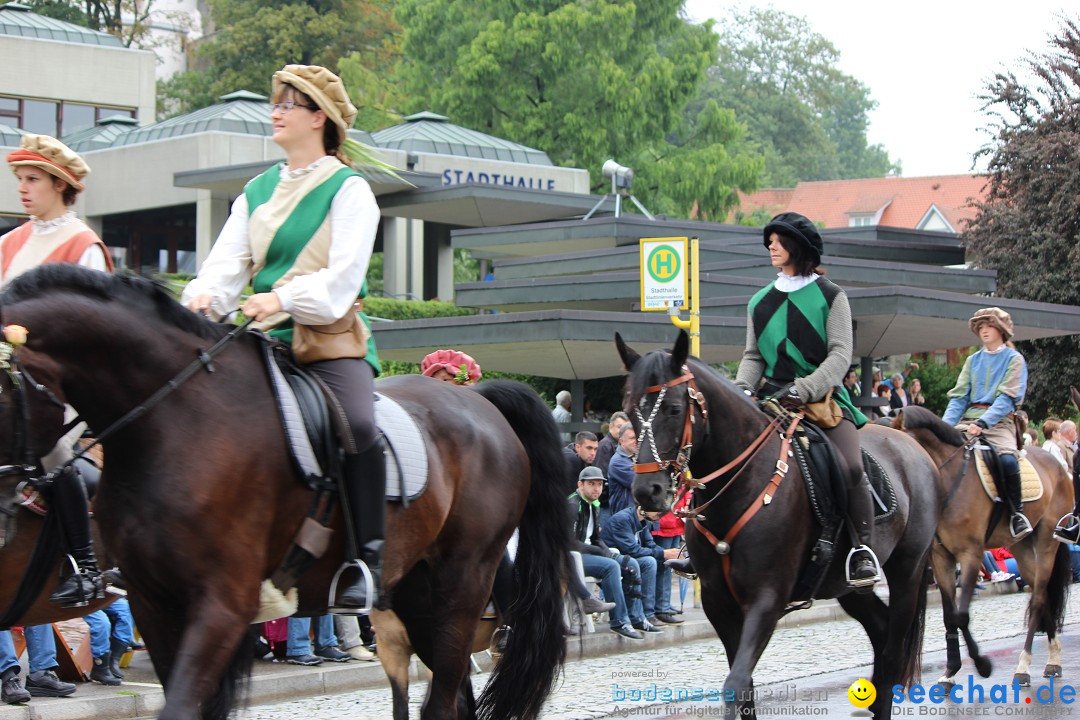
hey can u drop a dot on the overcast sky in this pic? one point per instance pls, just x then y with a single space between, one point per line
925 63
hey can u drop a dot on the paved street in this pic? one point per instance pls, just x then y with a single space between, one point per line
823 658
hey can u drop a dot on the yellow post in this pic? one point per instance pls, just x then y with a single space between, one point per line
693 325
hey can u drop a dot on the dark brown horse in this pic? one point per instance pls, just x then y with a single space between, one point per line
21 529
961 539
767 552
199 501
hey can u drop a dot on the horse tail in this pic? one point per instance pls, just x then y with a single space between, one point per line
535 650
1052 611
235 682
911 656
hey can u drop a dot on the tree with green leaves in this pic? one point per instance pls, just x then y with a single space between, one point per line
249 40
808 118
129 20
583 81
1028 225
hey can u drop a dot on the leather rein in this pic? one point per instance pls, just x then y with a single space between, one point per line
682 480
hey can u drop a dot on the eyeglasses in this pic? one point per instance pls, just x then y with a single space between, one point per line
284 107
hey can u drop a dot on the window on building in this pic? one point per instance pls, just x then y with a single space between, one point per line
77 117
39 116
54 118
860 220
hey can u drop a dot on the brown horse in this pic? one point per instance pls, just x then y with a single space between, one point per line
199 501
763 514
961 539
22 529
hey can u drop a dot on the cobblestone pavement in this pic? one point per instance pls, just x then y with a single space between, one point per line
587 687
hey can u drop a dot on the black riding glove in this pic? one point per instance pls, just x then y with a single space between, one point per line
789 398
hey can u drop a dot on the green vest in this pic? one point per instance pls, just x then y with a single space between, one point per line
791 334
293 235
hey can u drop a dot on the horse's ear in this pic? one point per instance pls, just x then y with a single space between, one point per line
629 357
680 352
1075 396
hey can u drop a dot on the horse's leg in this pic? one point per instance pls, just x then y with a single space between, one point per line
943 563
394 654
214 631
757 628
1036 571
873 615
970 563
456 613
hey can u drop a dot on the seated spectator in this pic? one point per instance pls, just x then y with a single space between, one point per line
991 570
597 558
299 648
669 535
42 680
629 532
607 447
1005 561
579 455
347 630
621 471
112 634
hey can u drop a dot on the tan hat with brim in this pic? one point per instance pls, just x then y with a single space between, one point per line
995 317
323 87
52 156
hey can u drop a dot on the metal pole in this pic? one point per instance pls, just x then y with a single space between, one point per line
693 325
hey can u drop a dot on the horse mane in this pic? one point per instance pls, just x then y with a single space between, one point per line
655 369
132 290
919 418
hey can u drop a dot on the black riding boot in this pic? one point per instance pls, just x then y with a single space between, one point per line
365 485
69 502
862 563
502 592
682 567
1019 527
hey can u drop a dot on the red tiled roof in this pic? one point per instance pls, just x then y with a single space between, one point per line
832 202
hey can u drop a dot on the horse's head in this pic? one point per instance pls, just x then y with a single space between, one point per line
667 410
31 423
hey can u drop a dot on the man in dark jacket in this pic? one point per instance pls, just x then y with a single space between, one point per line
629 532
597 558
579 455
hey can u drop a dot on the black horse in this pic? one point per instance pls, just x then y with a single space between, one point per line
687 416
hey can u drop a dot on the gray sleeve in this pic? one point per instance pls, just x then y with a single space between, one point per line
752 366
840 343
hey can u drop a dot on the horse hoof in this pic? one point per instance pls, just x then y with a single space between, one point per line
984 666
1023 678
1052 671
947 682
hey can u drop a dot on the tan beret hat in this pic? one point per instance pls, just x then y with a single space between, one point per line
996 317
322 86
52 156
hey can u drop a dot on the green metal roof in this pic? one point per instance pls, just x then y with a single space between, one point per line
428 132
16 19
102 135
10 136
239 112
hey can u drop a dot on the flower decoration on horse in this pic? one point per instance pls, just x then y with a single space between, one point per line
14 336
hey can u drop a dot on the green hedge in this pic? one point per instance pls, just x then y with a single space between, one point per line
391 309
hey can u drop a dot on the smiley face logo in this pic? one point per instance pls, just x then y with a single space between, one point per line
862 693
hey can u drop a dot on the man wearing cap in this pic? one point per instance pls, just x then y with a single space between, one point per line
302 234
597 558
988 391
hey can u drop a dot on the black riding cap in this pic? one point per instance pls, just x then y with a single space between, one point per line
799 228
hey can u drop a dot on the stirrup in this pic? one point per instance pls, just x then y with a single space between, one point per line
861 582
499 639
1025 529
369 580
83 599
1068 530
